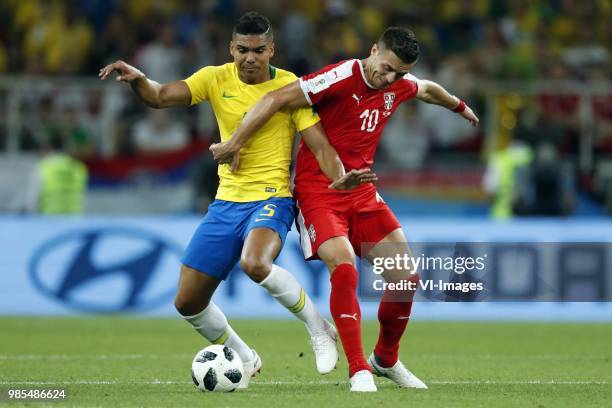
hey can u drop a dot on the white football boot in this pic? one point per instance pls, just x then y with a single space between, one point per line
398 374
363 381
325 348
250 369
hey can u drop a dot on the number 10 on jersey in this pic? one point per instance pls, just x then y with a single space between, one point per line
370 120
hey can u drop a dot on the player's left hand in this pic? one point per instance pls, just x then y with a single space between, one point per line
353 179
469 115
223 152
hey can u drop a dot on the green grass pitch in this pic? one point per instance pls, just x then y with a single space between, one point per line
146 362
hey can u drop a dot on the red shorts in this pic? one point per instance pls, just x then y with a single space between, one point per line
362 217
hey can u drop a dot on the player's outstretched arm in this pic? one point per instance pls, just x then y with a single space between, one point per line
153 94
330 162
287 97
432 92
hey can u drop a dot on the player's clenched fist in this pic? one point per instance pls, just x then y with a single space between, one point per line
224 152
127 73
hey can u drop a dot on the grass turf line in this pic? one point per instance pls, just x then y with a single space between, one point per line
145 362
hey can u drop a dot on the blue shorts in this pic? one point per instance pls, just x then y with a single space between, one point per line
217 243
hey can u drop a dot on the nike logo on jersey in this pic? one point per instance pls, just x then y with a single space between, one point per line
403 317
357 98
226 96
348 316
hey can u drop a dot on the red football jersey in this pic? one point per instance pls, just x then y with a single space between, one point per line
353 114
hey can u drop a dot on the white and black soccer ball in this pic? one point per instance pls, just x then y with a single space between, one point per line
217 368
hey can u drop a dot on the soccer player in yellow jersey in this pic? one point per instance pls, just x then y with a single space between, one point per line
253 210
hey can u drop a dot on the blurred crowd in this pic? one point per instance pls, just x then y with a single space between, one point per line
464 44
170 39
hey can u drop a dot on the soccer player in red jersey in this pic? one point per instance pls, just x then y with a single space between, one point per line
355 99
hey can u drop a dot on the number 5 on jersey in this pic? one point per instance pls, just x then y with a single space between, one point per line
370 120
267 214
270 210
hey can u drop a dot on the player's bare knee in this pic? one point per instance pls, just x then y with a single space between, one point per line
189 306
339 258
255 267
194 292
336 251
181 305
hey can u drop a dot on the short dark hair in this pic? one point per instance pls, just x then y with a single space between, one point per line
402 42
253 23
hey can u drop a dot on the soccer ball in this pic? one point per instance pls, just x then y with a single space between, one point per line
217 368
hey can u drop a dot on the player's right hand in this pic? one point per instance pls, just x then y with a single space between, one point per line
224 152
353 179
127 73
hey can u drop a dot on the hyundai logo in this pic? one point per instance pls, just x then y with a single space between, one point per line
106 270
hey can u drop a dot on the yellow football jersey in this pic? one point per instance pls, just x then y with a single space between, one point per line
266 156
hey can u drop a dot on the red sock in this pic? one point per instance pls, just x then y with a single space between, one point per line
393 318
393 315
344 308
